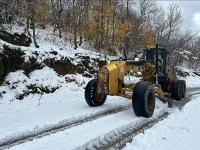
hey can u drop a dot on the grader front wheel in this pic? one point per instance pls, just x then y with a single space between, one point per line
143 99
92 98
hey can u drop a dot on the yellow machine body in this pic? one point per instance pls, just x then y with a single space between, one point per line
140 80
113 79
112 82
116 73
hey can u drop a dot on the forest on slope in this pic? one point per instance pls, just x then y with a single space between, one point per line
106 25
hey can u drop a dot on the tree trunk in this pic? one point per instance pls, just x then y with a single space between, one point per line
81 39
6 11
28 25
127 9
59 17
75 37
33 22
34 38
113 24
56 11
102 24
60 33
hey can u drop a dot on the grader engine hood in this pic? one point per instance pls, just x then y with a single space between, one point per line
109 77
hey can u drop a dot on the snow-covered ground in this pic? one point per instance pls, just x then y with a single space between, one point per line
192 80
66 98
180 131
66 102
37 111
76 136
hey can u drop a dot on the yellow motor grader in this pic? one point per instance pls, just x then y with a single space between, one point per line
157 79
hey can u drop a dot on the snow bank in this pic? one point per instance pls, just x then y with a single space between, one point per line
38 80
38 111
192 80
180 131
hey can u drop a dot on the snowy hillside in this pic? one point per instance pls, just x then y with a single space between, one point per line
45 69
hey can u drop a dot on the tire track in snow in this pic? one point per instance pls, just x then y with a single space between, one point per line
118 138
103 142
20 138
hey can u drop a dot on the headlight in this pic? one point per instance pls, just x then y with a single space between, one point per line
108 61
136 59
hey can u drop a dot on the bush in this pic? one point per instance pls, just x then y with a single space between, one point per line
10 60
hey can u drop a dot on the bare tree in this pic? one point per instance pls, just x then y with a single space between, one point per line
57 9
159 25
32 14
174 19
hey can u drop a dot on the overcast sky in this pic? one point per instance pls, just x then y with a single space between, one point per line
190 11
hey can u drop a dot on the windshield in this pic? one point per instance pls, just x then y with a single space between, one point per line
150 57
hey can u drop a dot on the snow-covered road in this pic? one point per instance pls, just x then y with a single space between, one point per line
76 136
180 131
19 117
36 114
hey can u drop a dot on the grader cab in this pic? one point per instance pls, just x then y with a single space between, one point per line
157 79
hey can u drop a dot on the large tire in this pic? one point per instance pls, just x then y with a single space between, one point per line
91 96
177 89
143 99
1 71
183 85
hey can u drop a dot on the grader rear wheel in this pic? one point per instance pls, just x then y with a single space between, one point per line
178 89
143 99
1 71
92 98
183 83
